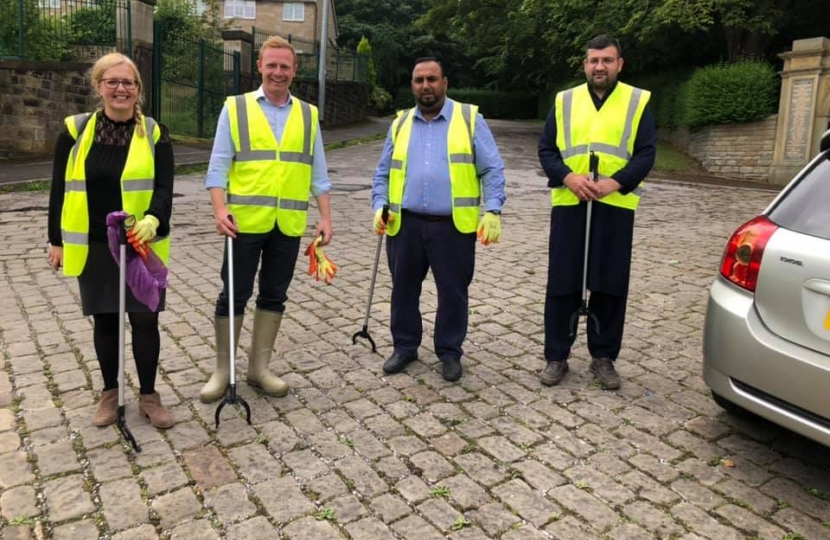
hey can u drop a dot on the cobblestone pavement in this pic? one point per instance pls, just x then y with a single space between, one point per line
352 453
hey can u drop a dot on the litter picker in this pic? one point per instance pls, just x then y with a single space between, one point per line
122 312
583 309
231 397
364 333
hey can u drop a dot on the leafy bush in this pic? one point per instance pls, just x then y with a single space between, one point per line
94 25
729 93
44 35
666 89
380 101
403 99
496 104
546 99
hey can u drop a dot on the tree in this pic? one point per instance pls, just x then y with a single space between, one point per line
41 36
748 25
364 52
390 26
539 43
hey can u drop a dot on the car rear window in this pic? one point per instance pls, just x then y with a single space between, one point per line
806 208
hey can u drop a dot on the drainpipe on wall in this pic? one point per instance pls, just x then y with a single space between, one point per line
321 69
316 10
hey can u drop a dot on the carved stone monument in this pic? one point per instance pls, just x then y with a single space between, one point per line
804 107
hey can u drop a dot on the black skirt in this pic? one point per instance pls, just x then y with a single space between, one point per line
98 284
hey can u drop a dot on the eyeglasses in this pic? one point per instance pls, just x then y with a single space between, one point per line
112 84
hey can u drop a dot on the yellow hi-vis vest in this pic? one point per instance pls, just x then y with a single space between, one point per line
609 133
137 182
464 182
270 182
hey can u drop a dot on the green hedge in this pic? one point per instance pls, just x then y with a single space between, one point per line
546 99
720 94
491 103
666 89
729 93
403 99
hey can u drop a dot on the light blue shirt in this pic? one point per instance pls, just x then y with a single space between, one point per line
427 187
224 152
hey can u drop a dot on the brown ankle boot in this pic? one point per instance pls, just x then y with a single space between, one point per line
149 405
107 412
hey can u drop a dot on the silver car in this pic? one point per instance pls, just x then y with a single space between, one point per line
766 338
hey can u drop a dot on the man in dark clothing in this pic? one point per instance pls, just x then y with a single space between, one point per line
612 121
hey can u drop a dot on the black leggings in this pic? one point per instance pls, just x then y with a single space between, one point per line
146 343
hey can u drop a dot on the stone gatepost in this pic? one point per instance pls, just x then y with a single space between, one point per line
804 107
137 31
242 42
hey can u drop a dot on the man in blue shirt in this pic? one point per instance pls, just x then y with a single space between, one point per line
268 157
439 163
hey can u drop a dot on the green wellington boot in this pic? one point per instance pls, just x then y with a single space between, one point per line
215 388
266 328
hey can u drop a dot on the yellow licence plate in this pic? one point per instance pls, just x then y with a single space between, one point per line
827 320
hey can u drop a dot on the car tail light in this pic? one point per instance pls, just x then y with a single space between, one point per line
742 256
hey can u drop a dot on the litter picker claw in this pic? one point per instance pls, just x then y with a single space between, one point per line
231 397
364 333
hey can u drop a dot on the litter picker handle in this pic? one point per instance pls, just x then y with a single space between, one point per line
593 164
384 215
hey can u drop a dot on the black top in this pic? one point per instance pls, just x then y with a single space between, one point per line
641 162
104 165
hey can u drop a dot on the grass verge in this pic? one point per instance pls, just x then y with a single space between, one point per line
670 159
34 185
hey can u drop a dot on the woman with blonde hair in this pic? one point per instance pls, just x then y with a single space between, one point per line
113 159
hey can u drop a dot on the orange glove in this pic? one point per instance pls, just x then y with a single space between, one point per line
133 239
319 264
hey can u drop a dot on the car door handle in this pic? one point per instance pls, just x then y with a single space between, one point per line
818 286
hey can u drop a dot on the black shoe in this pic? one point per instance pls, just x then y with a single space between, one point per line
553 373
452 369
397 363
603 370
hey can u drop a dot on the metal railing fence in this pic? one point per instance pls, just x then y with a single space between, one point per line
63 30
341 64
191 79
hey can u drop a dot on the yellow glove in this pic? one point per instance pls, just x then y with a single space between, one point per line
489 228
379 225
145 229
319 264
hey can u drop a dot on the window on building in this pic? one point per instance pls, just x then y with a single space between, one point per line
240 9
293 11
200 6
49 4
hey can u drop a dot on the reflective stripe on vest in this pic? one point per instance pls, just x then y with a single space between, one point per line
609 132
464 183
269 182
136 188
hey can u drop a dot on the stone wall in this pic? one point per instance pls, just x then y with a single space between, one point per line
741 151
35 97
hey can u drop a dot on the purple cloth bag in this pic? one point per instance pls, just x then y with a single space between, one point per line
144 278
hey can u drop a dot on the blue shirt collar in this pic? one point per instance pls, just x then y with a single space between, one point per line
445 112
259 93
